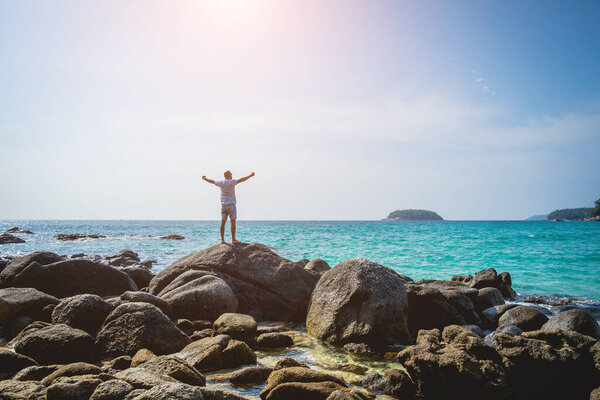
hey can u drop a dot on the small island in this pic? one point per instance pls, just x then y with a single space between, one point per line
413 215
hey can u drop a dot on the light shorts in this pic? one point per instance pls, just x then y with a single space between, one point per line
228 210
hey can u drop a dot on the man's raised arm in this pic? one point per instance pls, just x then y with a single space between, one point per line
245 178
208 180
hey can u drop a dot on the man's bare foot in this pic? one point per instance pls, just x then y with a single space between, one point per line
222 241
235 241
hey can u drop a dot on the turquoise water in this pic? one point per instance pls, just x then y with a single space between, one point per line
556 258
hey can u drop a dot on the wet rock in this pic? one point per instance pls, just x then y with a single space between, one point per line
56 344
288 362
16 229
176 369
199 295
172 237
114 389
303 391
11 363
352 368
283 378
488 297
274 341
511 330
134 326
170 391
267 286
72 388
317 265
394 382
359 301
237 326
7 238
491 315
35 373
350 395
359 350
215 353
250 376
574 320
74 276
523 317
475 329
490 278
144 297
22 390
77 236
428 309
85 311
17 302
73 369
462 303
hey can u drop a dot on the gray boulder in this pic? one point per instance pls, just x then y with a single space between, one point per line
19 302
250 376
144 297
22 390
394 382
114 389
359 301
56 344
16 265
237 326
274 340
11 363
218 352
488 297
140 274
317 265
428 308
71 277
169 391
523 317
176 368
134 326
574 320
267 286
282 378
7 238
85 311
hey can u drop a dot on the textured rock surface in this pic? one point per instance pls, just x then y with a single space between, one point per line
219 352
17 302
85 311
176 369
359 301
237 326
11 363
523 317
16 265
574 320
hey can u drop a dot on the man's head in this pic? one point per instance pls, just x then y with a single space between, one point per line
227 175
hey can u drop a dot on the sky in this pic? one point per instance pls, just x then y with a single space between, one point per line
345 110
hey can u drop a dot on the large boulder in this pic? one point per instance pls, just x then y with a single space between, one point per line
218 352
85 311
175 368
139 274
11 363
279 382
577 320
488 297
523 317
267 286
56 344
16 265
490 278
359 301
7 238
237 326
134 326
394 382
74 276
428 308
256 375
29 302
199 295
22 390
147 298
170 391
114 389
317 265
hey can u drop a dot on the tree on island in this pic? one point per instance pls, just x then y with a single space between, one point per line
596 210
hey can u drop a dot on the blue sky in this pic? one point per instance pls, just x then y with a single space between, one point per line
345 109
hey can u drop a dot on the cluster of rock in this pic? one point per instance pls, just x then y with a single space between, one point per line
8 238
97 328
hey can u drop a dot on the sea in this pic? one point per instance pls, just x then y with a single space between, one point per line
545 258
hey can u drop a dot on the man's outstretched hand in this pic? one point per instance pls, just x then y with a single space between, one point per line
204 177
252 174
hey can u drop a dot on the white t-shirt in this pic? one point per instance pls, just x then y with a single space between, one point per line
227 190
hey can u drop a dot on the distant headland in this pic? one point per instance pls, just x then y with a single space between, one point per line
413 215
571 214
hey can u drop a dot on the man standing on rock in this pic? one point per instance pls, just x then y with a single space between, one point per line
228 201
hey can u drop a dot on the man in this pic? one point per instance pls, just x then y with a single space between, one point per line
228 201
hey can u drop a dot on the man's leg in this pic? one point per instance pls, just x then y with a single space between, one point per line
223 222
233 239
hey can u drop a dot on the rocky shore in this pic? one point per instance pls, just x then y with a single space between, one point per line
236 322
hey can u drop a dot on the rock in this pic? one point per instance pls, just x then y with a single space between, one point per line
511 330
73 369
141 378
68 388
22 390
140 275
143 297
16 265
349 395
56 344
20 323
394 382
11 363
577 320
7 238
16 229
475 329
352 368
288 362
302 261
197 335
215 353
134 326
428 309
18 302
488 297
267 286
523 317
303 391
489 278
170 391
461 302
548 364
237 326
77 236
359 350
85 311
120 363
114 389
250 376
317 265
298 375
491 315
359 301
176 369
199 295
186 326
506 285
274 341
172 237
35 372
595 394
141 356
74 276
220 394
463 278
